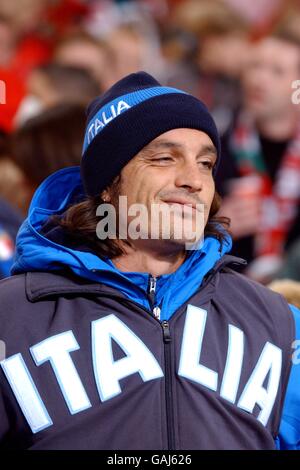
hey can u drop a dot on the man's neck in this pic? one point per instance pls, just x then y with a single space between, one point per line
153 261
278 128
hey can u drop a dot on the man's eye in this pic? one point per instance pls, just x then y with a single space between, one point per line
164 158
207 164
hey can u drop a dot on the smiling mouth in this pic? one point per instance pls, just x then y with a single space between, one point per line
191 205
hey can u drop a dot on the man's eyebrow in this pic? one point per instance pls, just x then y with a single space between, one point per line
208 149
163 143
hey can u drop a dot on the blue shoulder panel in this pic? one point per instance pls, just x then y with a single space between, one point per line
289 432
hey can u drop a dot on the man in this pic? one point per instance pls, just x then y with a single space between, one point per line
140 342
259 175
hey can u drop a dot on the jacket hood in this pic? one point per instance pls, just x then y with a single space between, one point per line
36 252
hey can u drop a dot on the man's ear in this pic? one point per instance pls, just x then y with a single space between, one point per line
105 196
108 194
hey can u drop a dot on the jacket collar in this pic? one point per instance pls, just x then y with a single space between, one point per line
42 285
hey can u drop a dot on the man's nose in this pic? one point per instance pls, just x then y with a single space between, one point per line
189 177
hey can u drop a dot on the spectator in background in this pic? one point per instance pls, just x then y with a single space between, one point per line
46 143
28 43
179 51
289 289
7 41
86 52
290 21
291 265
129 50
261 14
11 180
52 84
29 29
260 172
10 220
23 46
134 49
131 30
222 37
25 16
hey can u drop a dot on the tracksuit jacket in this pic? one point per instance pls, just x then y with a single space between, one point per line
95 358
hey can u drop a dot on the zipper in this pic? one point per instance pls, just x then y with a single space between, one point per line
168 385
151 296
168 363
166 331
152 290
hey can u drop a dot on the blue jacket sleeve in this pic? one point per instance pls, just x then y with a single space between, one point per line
289 432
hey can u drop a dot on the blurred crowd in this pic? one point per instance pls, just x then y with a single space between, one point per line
241 57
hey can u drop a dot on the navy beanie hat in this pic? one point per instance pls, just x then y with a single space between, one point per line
126 118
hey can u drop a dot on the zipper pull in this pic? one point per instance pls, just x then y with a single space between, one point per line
152 284
151 290
156 312
166 331
151 293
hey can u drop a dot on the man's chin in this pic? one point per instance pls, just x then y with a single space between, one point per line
188 242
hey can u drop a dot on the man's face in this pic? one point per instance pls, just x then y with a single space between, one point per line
272 67
175 168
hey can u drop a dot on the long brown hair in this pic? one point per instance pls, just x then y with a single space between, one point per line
49 141
80 221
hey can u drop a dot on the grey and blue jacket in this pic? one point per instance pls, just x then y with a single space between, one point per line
95 358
